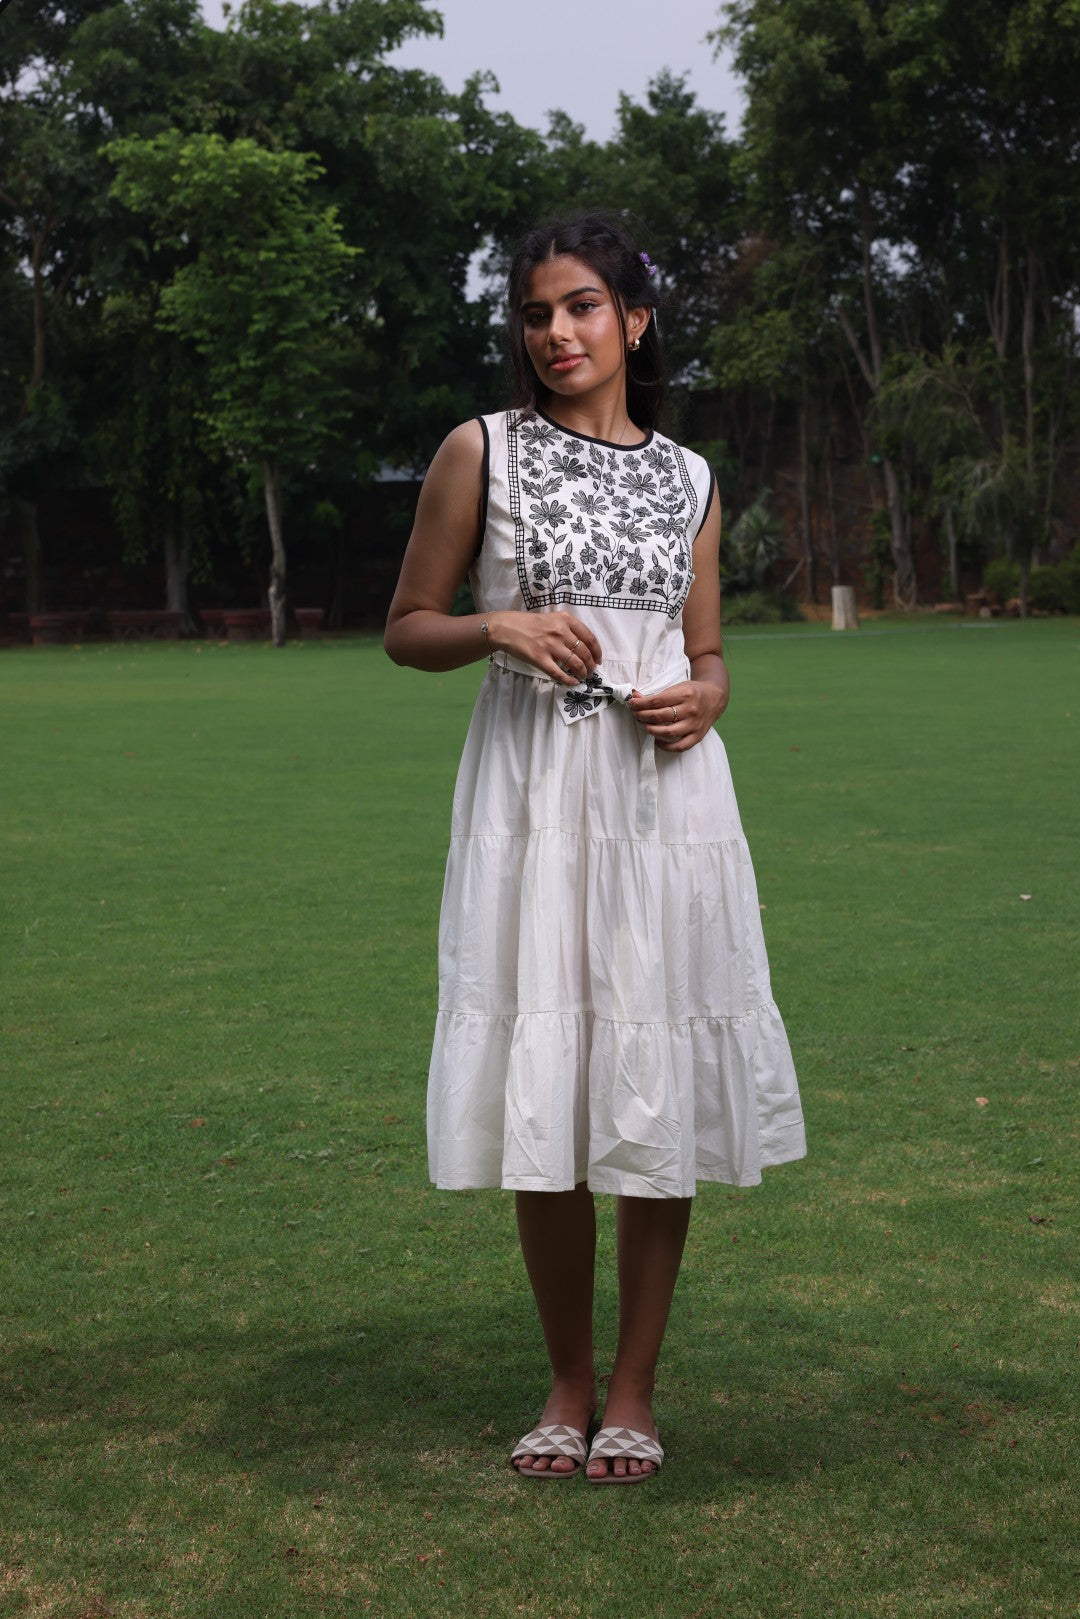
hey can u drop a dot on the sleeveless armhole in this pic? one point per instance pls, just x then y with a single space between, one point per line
485 474
708 504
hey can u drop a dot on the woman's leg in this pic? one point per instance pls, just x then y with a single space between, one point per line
558 1242
650 1233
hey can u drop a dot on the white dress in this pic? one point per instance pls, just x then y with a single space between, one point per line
605 1013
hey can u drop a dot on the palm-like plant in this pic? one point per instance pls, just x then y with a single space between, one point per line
753 543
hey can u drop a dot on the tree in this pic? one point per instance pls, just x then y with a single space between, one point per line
69 79
420 179
823 136
259 298
928 152
46 191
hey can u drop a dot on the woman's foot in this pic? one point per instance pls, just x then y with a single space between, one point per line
572 1404
625 1408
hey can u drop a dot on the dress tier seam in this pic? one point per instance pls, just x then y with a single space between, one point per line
619 1022
594 837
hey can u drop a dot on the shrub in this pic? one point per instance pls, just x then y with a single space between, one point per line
1001 579
1055 589
752 607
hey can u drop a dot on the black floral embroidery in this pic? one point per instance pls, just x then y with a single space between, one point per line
605 526
584 699
591 505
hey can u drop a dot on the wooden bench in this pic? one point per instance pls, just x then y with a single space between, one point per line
309 621
236 623
57 629
253 623
133 624
213 622
247 623
16 626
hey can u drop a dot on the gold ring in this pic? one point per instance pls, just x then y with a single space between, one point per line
674 715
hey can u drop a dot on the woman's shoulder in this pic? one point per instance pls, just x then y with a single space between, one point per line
464 446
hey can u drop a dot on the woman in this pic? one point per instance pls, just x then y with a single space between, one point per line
605 1018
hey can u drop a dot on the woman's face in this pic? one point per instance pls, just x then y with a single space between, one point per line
572 331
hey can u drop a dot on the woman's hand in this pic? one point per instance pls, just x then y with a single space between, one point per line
678 717
558 644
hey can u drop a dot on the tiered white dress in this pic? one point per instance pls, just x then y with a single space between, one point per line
605 1013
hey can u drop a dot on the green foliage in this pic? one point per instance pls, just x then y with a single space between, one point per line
259 295
752 607
949 271
909 306
1001 579
751 545
1056 588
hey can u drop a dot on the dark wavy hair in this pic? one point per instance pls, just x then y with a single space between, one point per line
601 241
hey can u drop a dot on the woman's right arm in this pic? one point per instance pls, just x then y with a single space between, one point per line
421 631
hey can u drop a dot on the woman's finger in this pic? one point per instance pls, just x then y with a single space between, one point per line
659 702
588 647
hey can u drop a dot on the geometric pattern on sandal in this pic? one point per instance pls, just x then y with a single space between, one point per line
626 1444
553 1439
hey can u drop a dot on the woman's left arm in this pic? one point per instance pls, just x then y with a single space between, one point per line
679 717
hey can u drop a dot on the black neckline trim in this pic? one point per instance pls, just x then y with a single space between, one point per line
588 439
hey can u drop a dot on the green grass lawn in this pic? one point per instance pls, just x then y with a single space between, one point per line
254 1366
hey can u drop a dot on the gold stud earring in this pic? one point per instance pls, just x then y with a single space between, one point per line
635 345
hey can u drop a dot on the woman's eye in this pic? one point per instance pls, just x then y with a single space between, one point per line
583 307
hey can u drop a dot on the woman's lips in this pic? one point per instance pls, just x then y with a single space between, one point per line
567 362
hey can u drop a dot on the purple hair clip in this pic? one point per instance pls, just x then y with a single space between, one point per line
650 267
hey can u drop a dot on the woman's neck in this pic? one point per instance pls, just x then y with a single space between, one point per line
599 413
607 420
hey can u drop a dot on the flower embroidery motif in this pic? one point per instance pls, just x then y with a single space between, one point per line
625 509
550 512
583 701
591 505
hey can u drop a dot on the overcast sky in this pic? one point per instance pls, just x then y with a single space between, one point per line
572 55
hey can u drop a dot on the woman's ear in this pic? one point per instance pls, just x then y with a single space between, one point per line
636 322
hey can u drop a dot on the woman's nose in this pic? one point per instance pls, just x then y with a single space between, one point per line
559 328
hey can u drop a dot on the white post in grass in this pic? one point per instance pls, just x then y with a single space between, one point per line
845 615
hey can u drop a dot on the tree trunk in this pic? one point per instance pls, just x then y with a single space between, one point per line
809 581
845 615
177 565
834 543
37 254
905 585
272 489
954 554
1027 345
905 588
24 522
